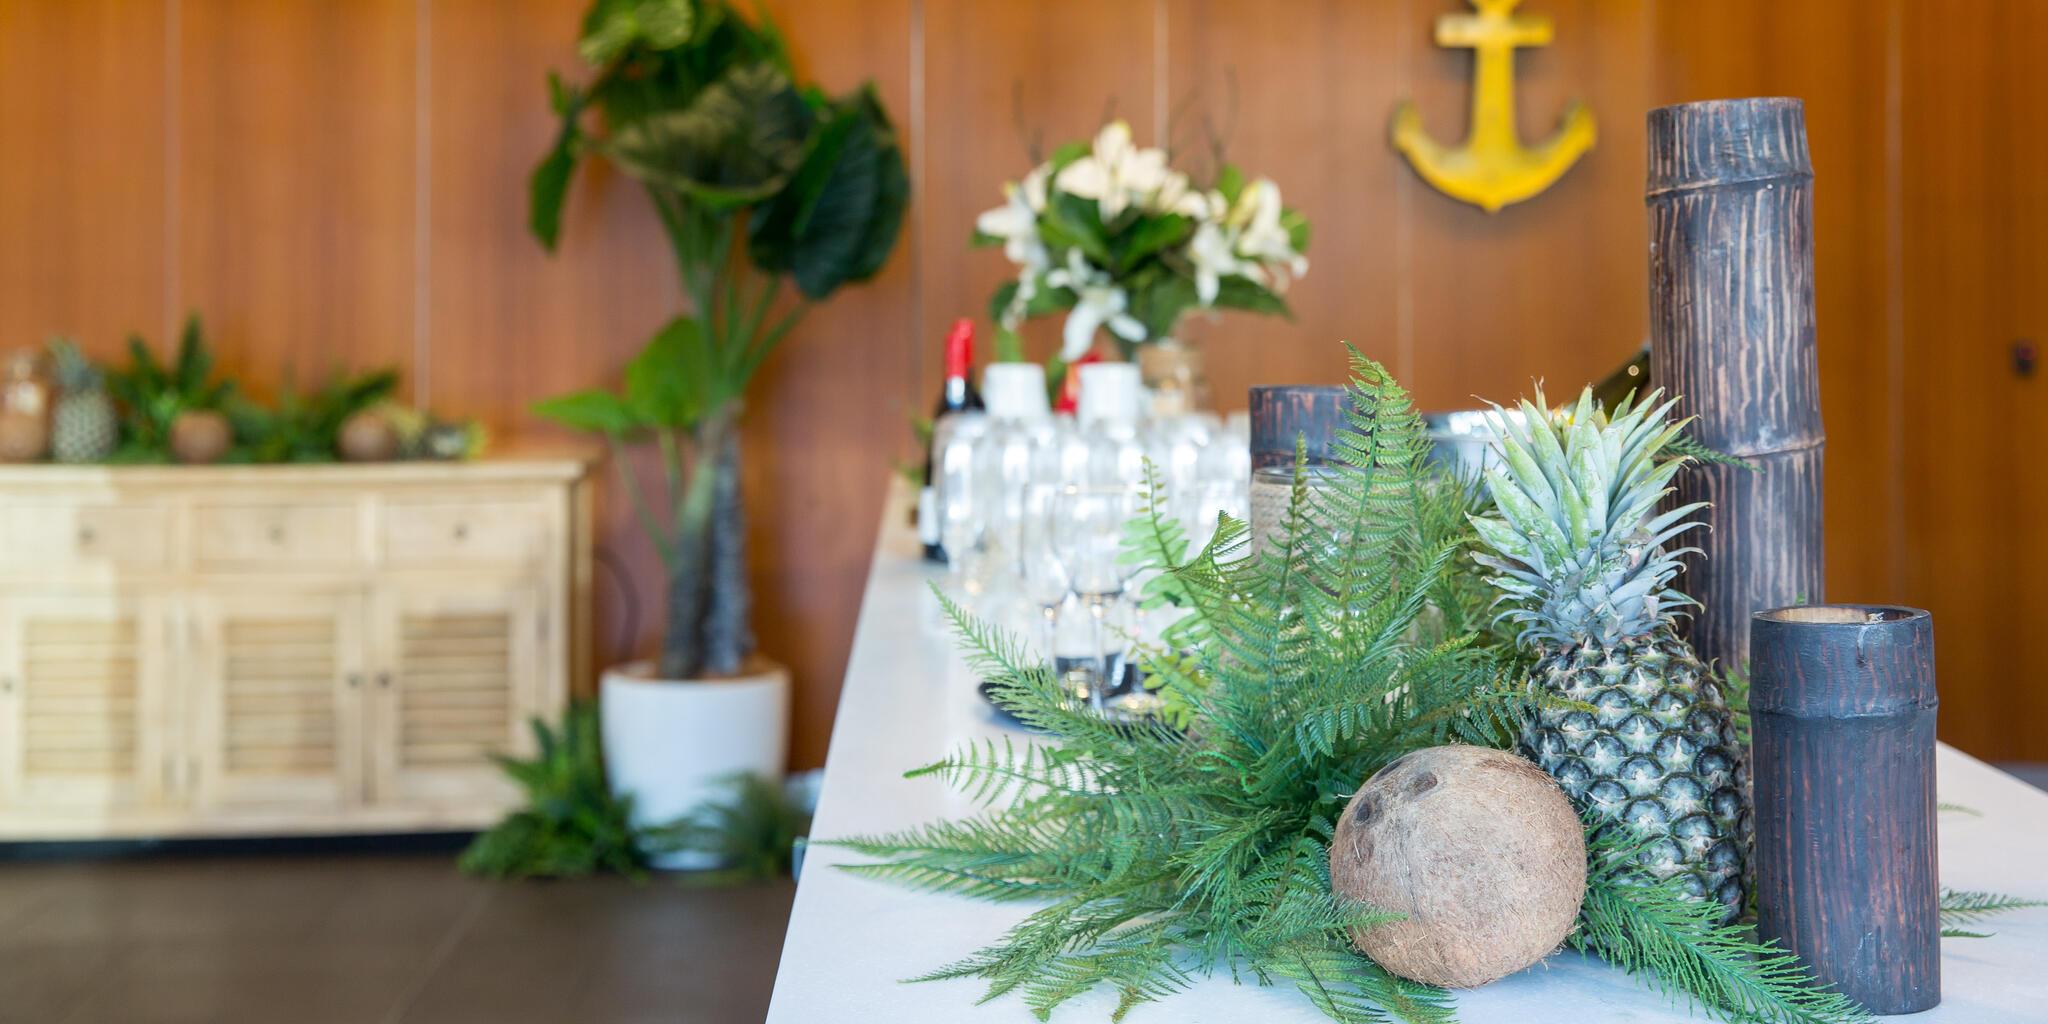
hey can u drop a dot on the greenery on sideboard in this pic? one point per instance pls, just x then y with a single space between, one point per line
759 182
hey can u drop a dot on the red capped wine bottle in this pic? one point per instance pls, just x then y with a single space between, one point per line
958 396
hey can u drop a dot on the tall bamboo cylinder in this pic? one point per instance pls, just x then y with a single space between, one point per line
1730 199
1843 705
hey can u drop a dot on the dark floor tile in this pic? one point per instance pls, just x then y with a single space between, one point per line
42 984
236 982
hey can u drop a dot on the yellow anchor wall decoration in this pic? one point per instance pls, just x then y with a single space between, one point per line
1492 168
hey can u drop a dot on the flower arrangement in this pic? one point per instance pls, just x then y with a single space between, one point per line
1112 234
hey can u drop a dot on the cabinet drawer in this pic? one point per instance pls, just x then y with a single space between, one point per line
469 532
56 536
313 534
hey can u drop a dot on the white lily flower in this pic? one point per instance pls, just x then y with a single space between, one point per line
1016 223
1211 252
1116 174
1098 302
1262 238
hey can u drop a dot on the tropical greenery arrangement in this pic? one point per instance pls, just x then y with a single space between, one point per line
180 410
1165 850
572 824
1113 235
758 182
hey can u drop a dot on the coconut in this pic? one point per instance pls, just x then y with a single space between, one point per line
1479 848
368 436
200 436
24 436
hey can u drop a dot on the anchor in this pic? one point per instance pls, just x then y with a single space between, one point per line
1492 168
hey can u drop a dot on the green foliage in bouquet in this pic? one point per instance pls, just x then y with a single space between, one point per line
304 427
758 181
1161 854
1112 235
153 394
572 825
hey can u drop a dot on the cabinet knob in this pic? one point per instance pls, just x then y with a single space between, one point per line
355 680
6 684
277 534
461 531
384 680
86 535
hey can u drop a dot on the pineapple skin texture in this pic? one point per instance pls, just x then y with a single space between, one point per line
83 428
1659 752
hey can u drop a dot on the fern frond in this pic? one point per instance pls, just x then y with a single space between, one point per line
1962 906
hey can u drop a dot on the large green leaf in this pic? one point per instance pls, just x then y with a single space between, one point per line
614 26
598 412
736 143
549 185
674 380
1235 292
840 215
1073 222
1149 234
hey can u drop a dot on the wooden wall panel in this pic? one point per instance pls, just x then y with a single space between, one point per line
1005 83
81 171
1835 58
828 408
293 170
506 322
265 163
1973 556
1551 288
1235 67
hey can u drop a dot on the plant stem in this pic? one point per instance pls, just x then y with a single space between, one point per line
656 532
683 647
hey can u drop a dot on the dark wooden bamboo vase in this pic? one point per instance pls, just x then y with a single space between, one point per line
1843 704
1730 196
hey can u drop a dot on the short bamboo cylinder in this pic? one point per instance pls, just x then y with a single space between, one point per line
1281 415
1843 705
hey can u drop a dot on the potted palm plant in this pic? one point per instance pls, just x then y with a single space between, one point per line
760 183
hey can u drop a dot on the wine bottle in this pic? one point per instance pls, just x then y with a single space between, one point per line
958 396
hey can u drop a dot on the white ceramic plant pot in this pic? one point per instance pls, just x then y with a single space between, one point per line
671 743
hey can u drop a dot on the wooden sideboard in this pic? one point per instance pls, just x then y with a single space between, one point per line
280 649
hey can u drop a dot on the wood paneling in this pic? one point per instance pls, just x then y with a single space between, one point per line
82 124
1221 62
829 407
1005 83
293 166
1972 220
344 184
1491 292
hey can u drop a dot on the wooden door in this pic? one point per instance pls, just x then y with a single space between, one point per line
276 700
83 706
459 672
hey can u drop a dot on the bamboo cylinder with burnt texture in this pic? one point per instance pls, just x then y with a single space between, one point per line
1282 415
1730 198
1843 705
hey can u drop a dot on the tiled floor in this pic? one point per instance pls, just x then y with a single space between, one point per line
374 939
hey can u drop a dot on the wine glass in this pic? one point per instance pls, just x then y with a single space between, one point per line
1087 535
1041 576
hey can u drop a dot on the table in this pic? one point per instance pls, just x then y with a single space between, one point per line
909 699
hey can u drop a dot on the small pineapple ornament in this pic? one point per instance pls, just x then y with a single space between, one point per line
83 424
1578 550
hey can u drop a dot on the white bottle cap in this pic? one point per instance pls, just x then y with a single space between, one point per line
1109 392
1015 391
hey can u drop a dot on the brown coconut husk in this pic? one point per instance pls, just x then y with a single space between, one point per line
1478 847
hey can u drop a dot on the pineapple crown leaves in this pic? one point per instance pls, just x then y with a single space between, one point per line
1576 542
75 373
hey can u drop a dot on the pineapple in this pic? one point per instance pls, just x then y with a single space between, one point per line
1578 550
83 424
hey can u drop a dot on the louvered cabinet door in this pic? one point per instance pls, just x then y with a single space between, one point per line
277 700
82 705
458 675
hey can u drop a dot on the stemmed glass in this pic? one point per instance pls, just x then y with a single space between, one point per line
1041 575
1087 535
